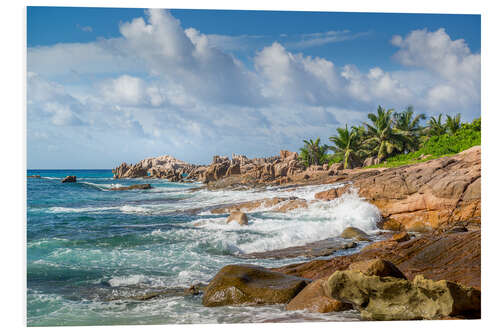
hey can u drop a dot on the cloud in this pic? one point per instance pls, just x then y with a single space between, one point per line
323 38
161 88
456 67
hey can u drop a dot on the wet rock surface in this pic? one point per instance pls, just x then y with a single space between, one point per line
69 179
251 285
322 248
132 187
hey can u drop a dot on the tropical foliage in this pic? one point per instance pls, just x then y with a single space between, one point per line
394 138
313 153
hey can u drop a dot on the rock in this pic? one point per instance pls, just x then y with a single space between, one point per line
69 179
401 237
428 195
34 176
132 187
321 248
251 285
377 267
332 194
313 298
454 257
158 167
355 233
239 217
389 298
280 204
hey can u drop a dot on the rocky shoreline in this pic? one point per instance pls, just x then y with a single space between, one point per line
427 267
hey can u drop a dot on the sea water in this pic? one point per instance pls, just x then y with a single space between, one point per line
90 249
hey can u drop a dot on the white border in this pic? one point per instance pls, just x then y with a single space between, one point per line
13 194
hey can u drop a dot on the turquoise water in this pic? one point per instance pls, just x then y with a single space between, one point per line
90 249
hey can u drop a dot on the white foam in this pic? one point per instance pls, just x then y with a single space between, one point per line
134 209
319 221
129 280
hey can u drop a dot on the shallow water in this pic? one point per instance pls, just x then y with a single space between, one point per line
89 249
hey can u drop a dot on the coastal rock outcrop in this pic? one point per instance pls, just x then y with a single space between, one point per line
390 298
166 167
251 285
431 195
452 256
69 179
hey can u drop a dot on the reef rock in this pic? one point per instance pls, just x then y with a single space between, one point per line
132 187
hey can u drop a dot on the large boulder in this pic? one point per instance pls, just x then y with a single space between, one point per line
69 179
239 217
355 233
314 299
251 285
389 298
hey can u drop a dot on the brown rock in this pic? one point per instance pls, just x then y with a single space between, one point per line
239 217
251 285
69 179
377 267
401 237
332 194
355 233
314 299
454 257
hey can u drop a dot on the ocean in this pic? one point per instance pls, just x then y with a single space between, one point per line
91 250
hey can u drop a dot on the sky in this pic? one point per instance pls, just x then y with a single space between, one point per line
107 85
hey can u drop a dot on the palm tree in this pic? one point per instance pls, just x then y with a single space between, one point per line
381 135
435 127
408 125
313 153
453 124
347 145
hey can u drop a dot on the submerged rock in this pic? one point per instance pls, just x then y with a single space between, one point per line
321 248
34 176
239 217
390 298
355 233
251 285
314 299
132 187
69 179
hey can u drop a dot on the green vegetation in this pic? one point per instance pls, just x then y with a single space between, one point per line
394 138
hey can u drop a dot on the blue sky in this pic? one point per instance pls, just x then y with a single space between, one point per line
110 85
